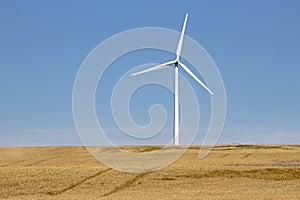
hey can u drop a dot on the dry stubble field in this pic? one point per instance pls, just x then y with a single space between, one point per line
228 172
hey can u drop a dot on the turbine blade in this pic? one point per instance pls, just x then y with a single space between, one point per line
161 66
179 46
195 77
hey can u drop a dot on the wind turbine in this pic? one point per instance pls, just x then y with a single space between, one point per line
176 63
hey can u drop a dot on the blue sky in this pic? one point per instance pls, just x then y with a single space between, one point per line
255 45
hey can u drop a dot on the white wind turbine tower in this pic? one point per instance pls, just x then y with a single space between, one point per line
176 63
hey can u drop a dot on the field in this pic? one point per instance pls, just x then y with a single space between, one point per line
228 172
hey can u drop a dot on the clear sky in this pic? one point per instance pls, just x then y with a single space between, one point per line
255 44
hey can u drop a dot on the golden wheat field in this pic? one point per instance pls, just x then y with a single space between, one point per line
228 172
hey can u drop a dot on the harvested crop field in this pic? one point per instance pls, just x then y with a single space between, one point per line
228 172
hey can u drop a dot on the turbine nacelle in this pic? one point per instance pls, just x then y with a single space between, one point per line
177 63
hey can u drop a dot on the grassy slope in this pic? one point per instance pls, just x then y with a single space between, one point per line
228 172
